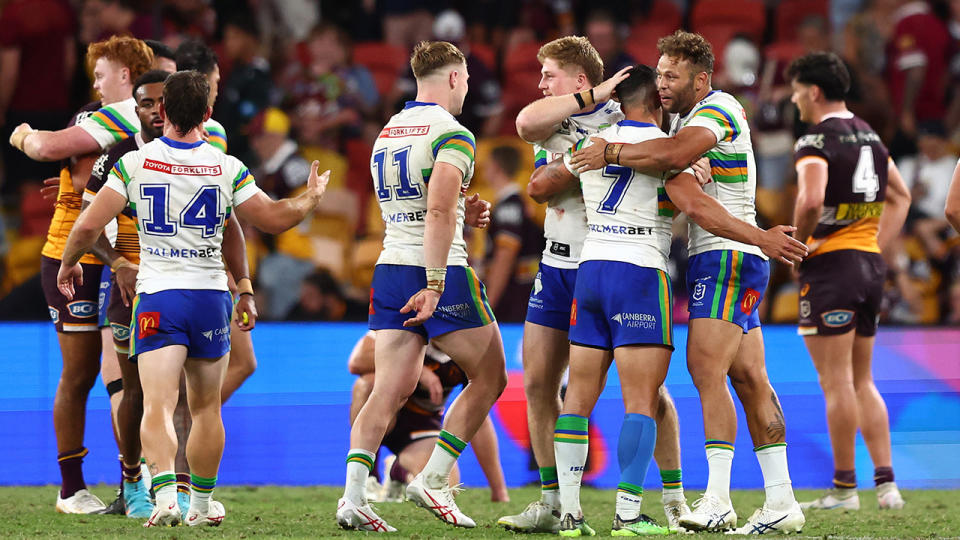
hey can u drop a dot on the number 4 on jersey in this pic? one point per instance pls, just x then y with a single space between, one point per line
865 179
202 212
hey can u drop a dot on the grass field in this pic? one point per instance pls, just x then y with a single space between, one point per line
274 512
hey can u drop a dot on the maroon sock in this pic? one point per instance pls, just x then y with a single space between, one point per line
183 483
376 466
130 474
845 479
398 473
882 475
71 472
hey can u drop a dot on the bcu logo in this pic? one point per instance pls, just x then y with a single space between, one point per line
82 309
120 332
837 318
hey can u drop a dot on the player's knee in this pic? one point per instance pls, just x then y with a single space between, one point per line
705 373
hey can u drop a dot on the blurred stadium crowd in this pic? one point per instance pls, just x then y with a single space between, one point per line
305 80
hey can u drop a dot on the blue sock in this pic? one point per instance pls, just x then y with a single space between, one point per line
638 436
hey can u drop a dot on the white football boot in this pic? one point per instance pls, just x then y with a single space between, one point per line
439 502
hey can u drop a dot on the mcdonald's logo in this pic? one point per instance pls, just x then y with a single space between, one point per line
750 299
573 313
148 323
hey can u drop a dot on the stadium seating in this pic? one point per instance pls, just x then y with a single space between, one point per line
521 74
736 16
384 61
790 13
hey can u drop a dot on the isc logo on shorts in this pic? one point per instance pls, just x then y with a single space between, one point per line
54 314
120 332
148 322
837 318
82 309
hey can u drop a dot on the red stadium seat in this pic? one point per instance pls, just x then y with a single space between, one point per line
790 13
521 78
663 14
485 54
783 52
384 61
742 16
642 44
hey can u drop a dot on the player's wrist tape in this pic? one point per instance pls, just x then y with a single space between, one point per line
244 286
120 262
611 152
585 98
436 278
18 139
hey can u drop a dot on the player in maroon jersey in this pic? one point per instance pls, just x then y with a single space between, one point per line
850 206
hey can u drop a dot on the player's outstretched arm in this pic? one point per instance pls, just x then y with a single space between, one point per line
952 209
657 155
440 226
235 255
895 208
275 217
53 145
105 206
540 119
550 179
685 192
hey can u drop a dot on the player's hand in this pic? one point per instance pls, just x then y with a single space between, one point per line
701 171
604 90
18 134
66 278
205 135
777 243
317 183
246 312
477 212
50 189
126 276
430 382
589 158
424 302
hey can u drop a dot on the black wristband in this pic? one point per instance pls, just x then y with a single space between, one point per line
579 99
243 293
592 99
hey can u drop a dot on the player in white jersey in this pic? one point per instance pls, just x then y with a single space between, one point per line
571 77
630 217
183 190
421 163
726 281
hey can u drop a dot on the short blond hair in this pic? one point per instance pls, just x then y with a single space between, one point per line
430 56
575 51
129 52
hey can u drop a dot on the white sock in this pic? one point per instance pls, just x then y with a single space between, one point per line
628 505
167 494
358 469
571 458
719 461
436 473
551 498
776 476
672 495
